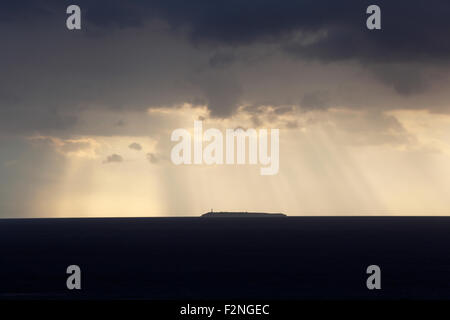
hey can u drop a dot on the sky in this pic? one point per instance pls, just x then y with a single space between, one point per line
86 116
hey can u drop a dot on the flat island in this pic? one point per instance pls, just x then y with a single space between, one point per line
225 214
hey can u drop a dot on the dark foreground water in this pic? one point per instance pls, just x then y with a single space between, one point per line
221 258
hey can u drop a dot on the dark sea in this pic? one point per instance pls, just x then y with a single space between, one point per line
226 258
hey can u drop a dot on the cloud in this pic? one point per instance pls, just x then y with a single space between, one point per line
314 101
113 158
132 56
221 60
80 147
135 146
152 158
323 29
119 123
368 129
405 79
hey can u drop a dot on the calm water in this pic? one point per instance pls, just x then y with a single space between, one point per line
242 258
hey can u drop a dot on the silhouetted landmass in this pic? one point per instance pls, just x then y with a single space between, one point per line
224 214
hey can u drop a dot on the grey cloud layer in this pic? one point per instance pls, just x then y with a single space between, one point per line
139 54
413 29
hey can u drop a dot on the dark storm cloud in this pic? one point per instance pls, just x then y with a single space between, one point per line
413 29
221 60
405 79
222 91
132 55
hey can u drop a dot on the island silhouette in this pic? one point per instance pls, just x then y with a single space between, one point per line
230 214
